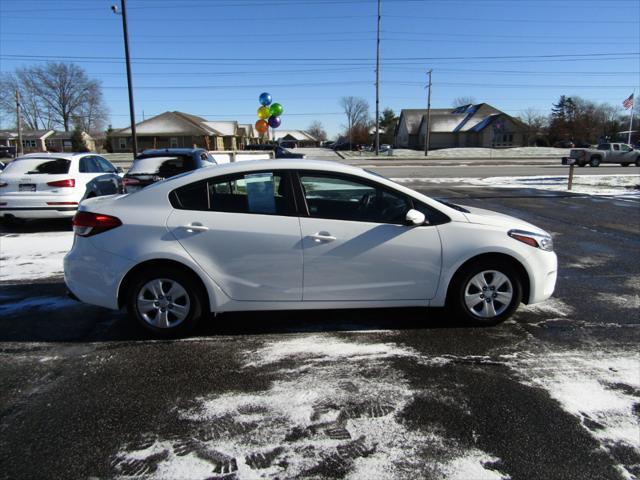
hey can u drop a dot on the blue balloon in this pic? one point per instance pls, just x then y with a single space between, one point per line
265 99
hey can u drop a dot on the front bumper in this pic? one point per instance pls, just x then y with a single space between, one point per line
544 268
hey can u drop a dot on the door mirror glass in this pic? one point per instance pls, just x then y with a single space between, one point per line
414 217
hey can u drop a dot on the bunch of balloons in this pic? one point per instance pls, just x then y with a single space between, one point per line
269 114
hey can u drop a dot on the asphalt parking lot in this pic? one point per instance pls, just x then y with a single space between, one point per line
553 393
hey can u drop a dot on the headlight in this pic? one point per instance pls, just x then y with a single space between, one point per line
537 240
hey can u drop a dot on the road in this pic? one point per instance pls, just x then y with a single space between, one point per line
553 393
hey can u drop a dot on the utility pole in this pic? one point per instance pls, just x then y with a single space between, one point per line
20 148
427 133
378 84
132 112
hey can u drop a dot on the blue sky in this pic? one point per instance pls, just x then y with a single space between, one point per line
214 57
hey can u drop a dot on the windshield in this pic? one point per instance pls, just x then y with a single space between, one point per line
161 166
33 166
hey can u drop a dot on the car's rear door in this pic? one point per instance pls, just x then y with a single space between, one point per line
243 230
356 246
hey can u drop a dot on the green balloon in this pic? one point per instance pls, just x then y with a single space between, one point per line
276 110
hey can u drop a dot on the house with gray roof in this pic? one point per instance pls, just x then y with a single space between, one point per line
299 137
44 140
479 125
179 130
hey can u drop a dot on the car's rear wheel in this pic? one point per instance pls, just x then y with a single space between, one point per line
167 301
638 162
625 164
595 162
486 292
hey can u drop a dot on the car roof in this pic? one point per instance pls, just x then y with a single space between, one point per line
280 164
62 155
175 151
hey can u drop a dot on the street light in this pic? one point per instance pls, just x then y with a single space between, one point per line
132 113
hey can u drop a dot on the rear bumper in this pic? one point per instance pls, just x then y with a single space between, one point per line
92 275
38 206
40 212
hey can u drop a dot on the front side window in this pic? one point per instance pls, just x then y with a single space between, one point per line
264 193
349 199
625 148
105 165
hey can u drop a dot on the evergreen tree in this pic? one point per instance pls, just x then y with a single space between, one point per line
77 141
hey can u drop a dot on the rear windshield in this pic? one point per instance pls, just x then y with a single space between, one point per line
162 166
33 166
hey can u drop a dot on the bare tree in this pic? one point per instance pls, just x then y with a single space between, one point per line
533 119
317 131
462 101
57 94
357 111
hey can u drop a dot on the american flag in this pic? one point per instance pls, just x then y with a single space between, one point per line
628 103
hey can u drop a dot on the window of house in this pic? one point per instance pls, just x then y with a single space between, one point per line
173 142
122 143
266 193
29 143
343 198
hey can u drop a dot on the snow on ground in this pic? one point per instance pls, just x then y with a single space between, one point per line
28 256
619 185
600 388
333 408
462 153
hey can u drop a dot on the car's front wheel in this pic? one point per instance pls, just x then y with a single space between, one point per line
167 301
595 162
486 293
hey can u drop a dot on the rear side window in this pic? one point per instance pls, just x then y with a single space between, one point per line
90 165
265 193
603 146
34 166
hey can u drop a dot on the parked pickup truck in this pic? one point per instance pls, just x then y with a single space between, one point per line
620 153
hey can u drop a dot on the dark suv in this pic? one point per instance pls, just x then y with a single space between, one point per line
279 152
154 165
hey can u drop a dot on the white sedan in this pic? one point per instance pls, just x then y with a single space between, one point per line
51 185
291 234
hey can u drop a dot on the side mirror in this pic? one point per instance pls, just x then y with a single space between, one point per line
119 170
414 218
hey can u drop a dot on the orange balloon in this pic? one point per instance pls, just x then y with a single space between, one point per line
262 126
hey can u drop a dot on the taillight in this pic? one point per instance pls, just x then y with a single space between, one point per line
69 183
86 224
130 181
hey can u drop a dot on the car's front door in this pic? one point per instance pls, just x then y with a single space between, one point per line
627 155
243 230
357 247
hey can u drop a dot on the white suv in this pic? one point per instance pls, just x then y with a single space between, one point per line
51 185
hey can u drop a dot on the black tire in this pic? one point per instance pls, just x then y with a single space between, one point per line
625 164
595 162
166 275
582 164
638 162
461 281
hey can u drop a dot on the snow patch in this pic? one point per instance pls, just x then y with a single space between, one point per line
552 306
29 256
610 185
473 466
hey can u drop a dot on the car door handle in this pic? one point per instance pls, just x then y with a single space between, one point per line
323 237
195 227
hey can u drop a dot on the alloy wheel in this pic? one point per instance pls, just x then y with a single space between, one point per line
488 294
163 303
